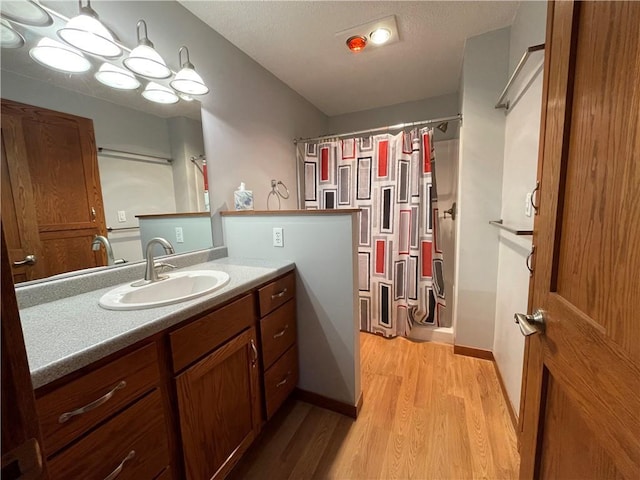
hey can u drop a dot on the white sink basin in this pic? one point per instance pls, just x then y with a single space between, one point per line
179 287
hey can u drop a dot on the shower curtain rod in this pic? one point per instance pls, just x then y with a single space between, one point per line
381 129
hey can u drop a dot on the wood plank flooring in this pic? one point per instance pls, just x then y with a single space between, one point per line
427 414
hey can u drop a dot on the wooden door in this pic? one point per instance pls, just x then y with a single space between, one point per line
21 438
219 408
19 220
581 415
51 160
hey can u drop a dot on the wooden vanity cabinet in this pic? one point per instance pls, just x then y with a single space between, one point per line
218 397
109 419
278 339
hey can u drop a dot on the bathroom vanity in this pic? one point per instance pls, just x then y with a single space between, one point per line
179 391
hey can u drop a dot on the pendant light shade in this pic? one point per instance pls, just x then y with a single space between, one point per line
144 60
116 77
154 92
26 12
58 56
10 38
187 80
87 33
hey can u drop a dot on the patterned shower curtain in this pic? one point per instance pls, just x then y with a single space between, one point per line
391 179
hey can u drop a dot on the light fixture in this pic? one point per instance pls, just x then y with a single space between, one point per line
58 56
185 97
87 33
116 77
10 38
154 92
187 80
144 60
356 43
26 12
380 35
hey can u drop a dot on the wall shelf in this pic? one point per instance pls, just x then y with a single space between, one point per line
515 231
503 102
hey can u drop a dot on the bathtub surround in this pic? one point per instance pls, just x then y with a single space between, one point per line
391 179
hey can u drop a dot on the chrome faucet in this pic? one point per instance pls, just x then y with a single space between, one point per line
150 274
95 246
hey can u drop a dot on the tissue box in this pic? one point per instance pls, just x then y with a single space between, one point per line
243 199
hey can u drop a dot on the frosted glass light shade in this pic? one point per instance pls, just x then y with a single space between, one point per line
89 35
116 77
145 61
10 38
380 36
154 92
188 81
58 56
26 12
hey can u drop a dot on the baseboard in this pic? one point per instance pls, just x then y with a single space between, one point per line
329 403
512 412
473 352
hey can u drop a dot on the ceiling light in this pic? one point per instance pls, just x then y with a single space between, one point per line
87 33
116 77
356 43
380 36
144 60
185 97
9 37
58 56
187 80
159 93
26 12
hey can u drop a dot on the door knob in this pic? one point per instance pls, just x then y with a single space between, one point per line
530 324
28 260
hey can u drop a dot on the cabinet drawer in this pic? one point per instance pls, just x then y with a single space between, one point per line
204 335
280 380
277 293
74 408
278 332
135 441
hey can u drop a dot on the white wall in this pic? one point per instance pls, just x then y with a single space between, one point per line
519 174
428 108
324 250
484 68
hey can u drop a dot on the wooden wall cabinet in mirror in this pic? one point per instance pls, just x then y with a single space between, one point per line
51 194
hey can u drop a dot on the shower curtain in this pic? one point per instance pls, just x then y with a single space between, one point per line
391 179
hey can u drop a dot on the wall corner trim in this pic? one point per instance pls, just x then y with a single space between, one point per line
329 403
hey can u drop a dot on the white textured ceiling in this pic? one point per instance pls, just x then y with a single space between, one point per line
295 40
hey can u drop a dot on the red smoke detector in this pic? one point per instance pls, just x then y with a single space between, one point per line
356 43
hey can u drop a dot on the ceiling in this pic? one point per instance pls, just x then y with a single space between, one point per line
296 41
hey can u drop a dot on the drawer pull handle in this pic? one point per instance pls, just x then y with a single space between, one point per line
255 353
95 404
119 468
279 294
281 332
283 381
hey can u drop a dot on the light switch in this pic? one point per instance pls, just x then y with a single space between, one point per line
179 235
122 216
527 206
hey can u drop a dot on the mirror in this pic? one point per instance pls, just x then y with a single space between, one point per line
149 155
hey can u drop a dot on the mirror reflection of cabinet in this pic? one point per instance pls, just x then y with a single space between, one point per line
51 196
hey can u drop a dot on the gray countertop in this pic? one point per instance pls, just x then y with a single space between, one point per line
64 335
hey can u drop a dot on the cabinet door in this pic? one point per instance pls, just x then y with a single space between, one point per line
218 401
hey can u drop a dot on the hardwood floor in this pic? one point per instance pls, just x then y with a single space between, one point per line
427 414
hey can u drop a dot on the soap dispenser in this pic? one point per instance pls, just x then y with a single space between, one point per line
243 199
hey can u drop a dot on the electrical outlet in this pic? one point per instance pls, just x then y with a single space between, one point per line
122 216
179 235
527 206
278 239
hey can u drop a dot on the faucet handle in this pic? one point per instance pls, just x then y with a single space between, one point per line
161 266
